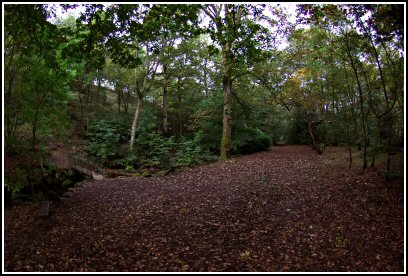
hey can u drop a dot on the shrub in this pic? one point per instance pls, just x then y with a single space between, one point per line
105 139
250 140
153 150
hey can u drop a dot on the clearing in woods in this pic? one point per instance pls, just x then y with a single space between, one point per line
280 210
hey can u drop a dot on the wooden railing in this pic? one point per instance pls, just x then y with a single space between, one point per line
85 164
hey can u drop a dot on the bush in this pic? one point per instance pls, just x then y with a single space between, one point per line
25 183
105 139
244 141
155 151
297 131
250 140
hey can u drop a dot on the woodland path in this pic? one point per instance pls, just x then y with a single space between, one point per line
279 210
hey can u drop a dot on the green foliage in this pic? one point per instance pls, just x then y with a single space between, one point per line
37 100
208 123
155 151
330 133
105 139
28 183
298 133
326 72
18 182
253 128
244 139
249 140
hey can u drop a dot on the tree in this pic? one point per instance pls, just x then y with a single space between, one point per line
368 44
134 36
232 29
35 90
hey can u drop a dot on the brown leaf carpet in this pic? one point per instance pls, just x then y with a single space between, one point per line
279 210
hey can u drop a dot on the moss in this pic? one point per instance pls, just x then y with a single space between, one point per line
225 147
66 183
163 172
146 174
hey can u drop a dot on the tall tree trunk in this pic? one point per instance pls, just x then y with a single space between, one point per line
376 142
34 127
98 91
309 127
10 127
8 120
180 117
350 155
119 98
88 105
139 108
361 98
389 120
125 102
384 86
226 18
164 103
205 78
363 119
227 115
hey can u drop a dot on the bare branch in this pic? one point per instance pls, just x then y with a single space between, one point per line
207 11
214 10
240 12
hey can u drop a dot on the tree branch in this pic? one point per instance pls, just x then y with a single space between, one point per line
214 10
208 13
240 12
241 74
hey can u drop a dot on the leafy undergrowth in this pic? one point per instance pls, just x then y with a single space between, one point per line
279 210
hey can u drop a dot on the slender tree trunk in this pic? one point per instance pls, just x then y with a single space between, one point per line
98 93
81 109
119 99
384 86
360 93
180 117
205 78
164 103
389 140
34 128
350 156
10 128
88 105
309 127
352 100
8 120
376 142
126 102
39 99
363 120
139 109
227 116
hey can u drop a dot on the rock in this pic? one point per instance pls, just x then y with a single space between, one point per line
320 148
8 196
44 209
68 194
280 143
97 176
66 183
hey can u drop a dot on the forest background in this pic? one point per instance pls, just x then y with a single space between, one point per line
150 89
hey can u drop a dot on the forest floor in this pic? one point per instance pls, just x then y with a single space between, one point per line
286 209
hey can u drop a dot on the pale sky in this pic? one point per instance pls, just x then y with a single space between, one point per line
290 9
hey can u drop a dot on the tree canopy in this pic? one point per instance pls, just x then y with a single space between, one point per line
226 79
